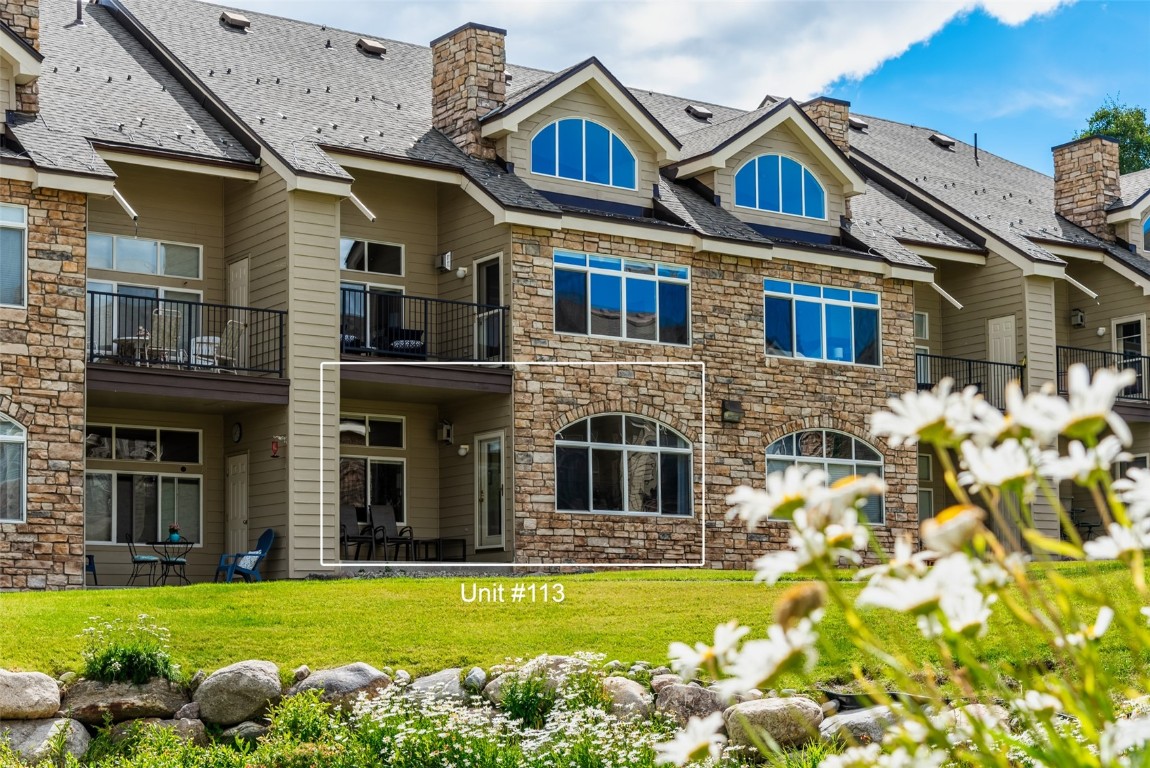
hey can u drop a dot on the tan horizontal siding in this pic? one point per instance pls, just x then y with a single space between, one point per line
256 226
986 292
406 211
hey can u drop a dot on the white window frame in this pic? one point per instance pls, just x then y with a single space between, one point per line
368 418
1121 466
624 276
821 462
198 542
1146 235
114 426
159 256
22 441
925 317
824 302
365 271
22 227
802 187
161 290
624 449
480 438
1117 321
610 154
400 514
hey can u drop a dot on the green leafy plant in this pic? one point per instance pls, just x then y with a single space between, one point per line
528 698
120 651
304 717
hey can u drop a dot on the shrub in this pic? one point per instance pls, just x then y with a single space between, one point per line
304 717
117 651
528 698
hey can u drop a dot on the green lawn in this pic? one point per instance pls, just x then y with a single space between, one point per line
423 625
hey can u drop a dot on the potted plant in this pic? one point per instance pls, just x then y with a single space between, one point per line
173 531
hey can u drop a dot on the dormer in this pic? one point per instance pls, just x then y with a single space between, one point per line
774 169
580 134
1130 215
20 59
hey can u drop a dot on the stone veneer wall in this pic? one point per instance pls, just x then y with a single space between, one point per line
23 17
42 388
832 116
1086 181
468 80
779 396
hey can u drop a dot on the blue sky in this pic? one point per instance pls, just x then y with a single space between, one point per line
1023 74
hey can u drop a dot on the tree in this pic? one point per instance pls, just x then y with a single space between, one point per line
1129 125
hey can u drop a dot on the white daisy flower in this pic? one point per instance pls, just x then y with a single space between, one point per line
1039 703
759 661
1121 736
1011 463
904 561
1134 490
914 417
1091 403
1119 543
786 492
1092 632
700 740
686 660
1040 414
1082 464
952 528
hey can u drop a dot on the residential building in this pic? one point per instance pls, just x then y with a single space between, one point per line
327 273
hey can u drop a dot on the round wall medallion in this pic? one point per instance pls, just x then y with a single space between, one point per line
237 432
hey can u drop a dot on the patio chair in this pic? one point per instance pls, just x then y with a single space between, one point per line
227 355
352 531
140 563
388 533
164 339
246 564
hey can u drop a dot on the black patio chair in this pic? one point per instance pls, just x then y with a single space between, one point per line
140 563
388 533
352 531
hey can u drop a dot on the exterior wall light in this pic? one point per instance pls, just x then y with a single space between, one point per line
732 411
278 442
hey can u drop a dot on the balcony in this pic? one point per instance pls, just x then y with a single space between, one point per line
990 378
1095 359
159 334
388 324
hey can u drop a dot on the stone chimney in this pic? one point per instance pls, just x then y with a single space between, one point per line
23 18
1086 181
830 115
468 80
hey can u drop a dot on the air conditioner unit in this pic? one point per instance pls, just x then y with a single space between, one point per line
445 433
443 261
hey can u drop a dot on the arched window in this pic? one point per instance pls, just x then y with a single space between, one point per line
1146 236
13 448
780 184
583 150
622 463
836 453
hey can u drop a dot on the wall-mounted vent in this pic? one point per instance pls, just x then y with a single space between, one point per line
371 47
700 113
506 77
942 140
235 20
858 123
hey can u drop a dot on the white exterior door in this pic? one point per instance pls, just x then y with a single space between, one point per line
236 504
1000 343
238 283
489 490
489 318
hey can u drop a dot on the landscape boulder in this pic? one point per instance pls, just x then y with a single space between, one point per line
27 695
475 681
629 700
441 686
493 691
857 726
682 702
245 731
659 682
32 739
553 669
238 692
791 721
342 685
92 702
186 728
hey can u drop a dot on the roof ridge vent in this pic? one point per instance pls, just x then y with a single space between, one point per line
371 47
235 20
858 123
699 112
942 140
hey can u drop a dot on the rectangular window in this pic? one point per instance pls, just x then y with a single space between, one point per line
378 483
12 450
367 256
145 257
609 296
1137 461
371 431
181 446
127 506
921 325
13 255
821 323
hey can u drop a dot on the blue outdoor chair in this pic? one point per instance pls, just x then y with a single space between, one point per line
142 564
246 564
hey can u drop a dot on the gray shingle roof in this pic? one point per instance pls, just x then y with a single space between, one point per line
1010 200
97 78
705 140
1135 186
882 210
703 216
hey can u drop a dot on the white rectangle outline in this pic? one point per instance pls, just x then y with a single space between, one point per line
337 364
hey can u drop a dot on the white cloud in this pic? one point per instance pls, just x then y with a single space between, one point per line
724 51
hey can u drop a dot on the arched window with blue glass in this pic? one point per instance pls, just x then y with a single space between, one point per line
778 184
583 150
1146 236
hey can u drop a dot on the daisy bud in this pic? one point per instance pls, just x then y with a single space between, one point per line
799 602
953 528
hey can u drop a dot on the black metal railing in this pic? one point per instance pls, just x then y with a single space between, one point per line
1095 359
149 331
389 324
990 378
